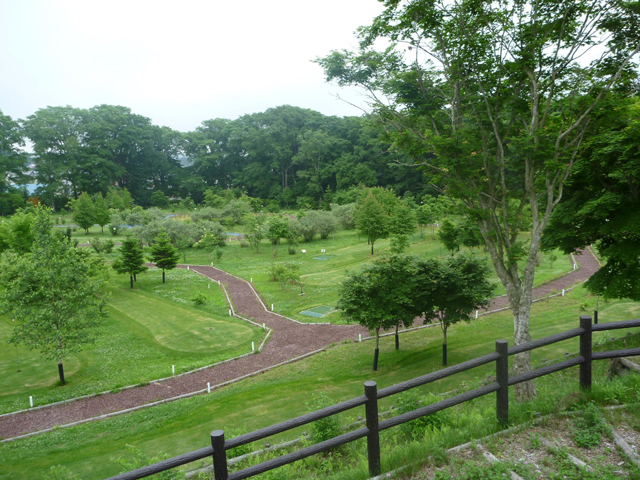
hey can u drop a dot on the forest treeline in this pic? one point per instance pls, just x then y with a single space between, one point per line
287 156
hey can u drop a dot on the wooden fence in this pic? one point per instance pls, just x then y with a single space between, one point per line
219 445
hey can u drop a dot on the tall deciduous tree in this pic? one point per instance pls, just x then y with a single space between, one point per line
494 99
450 291
12 158
55 294
131 259
163 253
380 296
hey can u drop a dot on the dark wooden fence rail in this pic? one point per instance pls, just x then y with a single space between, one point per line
219 445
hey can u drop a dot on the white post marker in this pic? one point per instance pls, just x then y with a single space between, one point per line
253 347
476 313
359 338
563 292
209 286
575 266
208 387
264 327
272 307
188 267
251 279
31 401
230 313
173 369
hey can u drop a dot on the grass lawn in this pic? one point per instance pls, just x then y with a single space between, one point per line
321 278
150 328
283 393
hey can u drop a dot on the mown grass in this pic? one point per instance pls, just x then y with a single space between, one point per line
321 278
283 393
150 328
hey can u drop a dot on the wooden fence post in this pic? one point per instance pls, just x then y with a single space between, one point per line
585 351
373 437
502 378
219 455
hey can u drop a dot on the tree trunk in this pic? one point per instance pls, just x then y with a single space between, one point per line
377 352
163 275
134 278
444 347
371 248
397 337
131 280
522 361
61 371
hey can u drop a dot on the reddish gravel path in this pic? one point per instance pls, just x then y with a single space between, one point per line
288 340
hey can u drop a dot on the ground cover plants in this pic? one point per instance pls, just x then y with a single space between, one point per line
149 329
281 394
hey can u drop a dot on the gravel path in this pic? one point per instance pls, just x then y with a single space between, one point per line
287 341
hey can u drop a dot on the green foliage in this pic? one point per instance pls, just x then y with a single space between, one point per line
256 230
55 294
101 246
371 218
159 199
163 253
472 471
130 259
60 472
199 298
345 215
588 427
418 428
287 273
277 228
137 459
449 235
325 428
17 233
83 212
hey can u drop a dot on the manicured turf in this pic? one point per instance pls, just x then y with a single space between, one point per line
321 279
283 393
150 328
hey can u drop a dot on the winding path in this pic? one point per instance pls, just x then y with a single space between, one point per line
288 341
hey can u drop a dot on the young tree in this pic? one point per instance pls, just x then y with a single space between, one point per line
131 259
380 296
256 230
449 235
371 218
101 214
402 224
450 291
54 293
163 253
83 213
494 99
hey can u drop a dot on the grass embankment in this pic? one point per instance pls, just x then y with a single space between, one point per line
283 393
149 329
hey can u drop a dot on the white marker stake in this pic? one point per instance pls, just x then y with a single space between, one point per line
209 286
253 347
251 279
272 307
264 327
208 387
230 313
575 266
173 369
212 264
31 401
359 338
563 292
188 267
476 313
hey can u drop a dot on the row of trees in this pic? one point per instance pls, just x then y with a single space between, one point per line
395 291
286 156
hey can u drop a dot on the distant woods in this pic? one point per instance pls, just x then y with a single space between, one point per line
286 157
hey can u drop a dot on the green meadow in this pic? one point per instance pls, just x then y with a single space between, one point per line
90 450
150 328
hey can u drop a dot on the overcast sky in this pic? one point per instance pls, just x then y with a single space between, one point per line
178 62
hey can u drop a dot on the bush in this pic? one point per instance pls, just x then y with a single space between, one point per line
412 400
199 299
325 428
287 273
589 427
344 215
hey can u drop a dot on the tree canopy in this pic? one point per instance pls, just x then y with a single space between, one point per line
494 100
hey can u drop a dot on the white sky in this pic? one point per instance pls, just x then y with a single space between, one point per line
178 62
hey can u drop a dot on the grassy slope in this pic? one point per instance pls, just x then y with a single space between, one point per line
149 329
281 394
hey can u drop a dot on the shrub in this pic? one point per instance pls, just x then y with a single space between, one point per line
199 299
412 400
344 215
325 428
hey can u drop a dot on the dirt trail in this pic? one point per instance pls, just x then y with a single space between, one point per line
287 341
